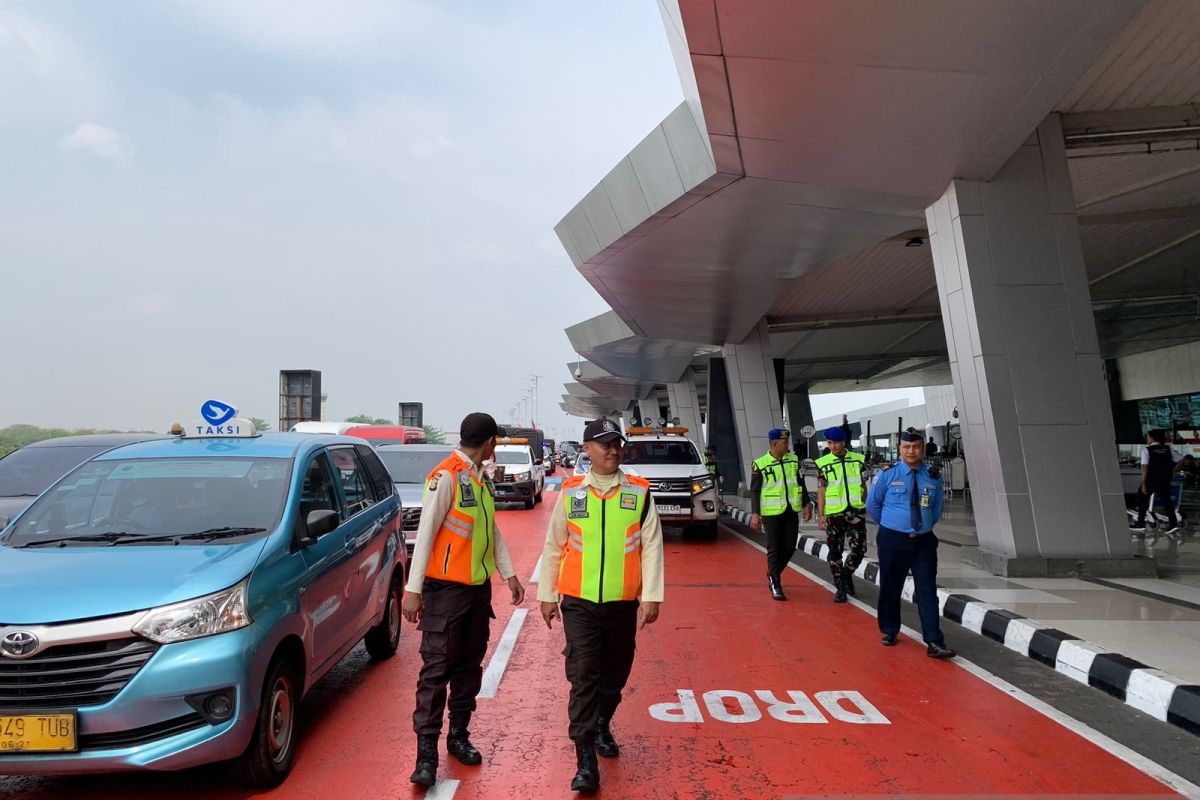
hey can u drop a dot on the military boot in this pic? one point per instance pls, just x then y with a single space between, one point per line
587 769
839 587
848 581
458 742
427 760
606 745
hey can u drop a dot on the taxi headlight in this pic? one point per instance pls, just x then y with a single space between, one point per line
194 619
702 485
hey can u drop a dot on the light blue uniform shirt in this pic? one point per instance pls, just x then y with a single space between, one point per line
889 501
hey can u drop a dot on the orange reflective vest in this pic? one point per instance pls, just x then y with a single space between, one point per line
464 548
602 559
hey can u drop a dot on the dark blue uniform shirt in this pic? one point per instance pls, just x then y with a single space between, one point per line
890 500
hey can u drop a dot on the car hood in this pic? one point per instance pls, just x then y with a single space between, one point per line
652 471
410 494
56 584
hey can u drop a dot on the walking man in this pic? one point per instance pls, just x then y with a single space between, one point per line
841 509
906 500
1160 462
602 571
450 596
777 497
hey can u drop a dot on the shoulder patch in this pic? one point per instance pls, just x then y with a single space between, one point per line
433 483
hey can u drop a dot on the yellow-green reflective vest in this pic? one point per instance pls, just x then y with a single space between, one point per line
780 484
843 481
602 559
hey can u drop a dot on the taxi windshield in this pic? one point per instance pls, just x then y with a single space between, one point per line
149 498
411 466
512 456
658 452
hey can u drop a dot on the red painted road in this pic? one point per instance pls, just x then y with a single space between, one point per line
946 731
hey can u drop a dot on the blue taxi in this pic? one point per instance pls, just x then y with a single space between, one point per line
168 603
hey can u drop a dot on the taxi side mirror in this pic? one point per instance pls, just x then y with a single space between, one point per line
319 523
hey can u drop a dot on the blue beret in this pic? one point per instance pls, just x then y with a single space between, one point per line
835 435
778 433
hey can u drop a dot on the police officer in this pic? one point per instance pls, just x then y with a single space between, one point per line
906 500
777 496
603 567
450 595
841 509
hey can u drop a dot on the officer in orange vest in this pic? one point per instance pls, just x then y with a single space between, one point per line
603 562
449 592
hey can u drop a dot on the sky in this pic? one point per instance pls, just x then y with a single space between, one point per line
194 196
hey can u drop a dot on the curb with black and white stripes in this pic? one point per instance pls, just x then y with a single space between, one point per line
1149 690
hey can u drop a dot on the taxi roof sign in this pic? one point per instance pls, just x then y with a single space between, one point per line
219 420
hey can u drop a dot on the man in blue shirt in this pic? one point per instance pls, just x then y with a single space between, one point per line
906 501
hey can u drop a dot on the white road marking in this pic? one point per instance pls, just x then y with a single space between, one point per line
442 790
1131 757
537 571
495 668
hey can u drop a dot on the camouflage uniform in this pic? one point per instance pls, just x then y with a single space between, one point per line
850 527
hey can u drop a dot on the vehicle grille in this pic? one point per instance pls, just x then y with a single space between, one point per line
73 675
150 733
412 518
670 486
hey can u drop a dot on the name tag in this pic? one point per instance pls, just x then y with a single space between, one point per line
466 496
925 500
628 501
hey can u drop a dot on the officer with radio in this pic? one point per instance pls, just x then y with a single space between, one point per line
777 497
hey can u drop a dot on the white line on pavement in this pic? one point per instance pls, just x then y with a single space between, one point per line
495 668
1115 748
537 570
442 790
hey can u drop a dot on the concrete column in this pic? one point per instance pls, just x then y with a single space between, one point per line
722 430
685 404
1028 377
799 414
753 392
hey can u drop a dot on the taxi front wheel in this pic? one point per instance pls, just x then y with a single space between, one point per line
272 750
384 638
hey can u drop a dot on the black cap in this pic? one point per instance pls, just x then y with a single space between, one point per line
477 427
602 430
911 435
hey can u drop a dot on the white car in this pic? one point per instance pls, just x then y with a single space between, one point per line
683 490
519 476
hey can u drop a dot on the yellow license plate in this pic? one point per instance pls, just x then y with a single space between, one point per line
37 733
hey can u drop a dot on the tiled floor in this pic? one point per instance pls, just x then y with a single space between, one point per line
1156 621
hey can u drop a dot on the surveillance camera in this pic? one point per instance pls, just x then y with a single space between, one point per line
578 372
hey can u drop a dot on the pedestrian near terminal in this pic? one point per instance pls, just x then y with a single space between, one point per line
906 500
602 571
449 593
777 498
1160 462
841 510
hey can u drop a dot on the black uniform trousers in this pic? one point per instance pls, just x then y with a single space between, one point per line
898 554
1162 492
782 533
454 637
599 654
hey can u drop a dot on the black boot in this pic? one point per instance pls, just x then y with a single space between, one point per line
776 588
848 581
839 590
458 744
606 745
587 770
427 760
